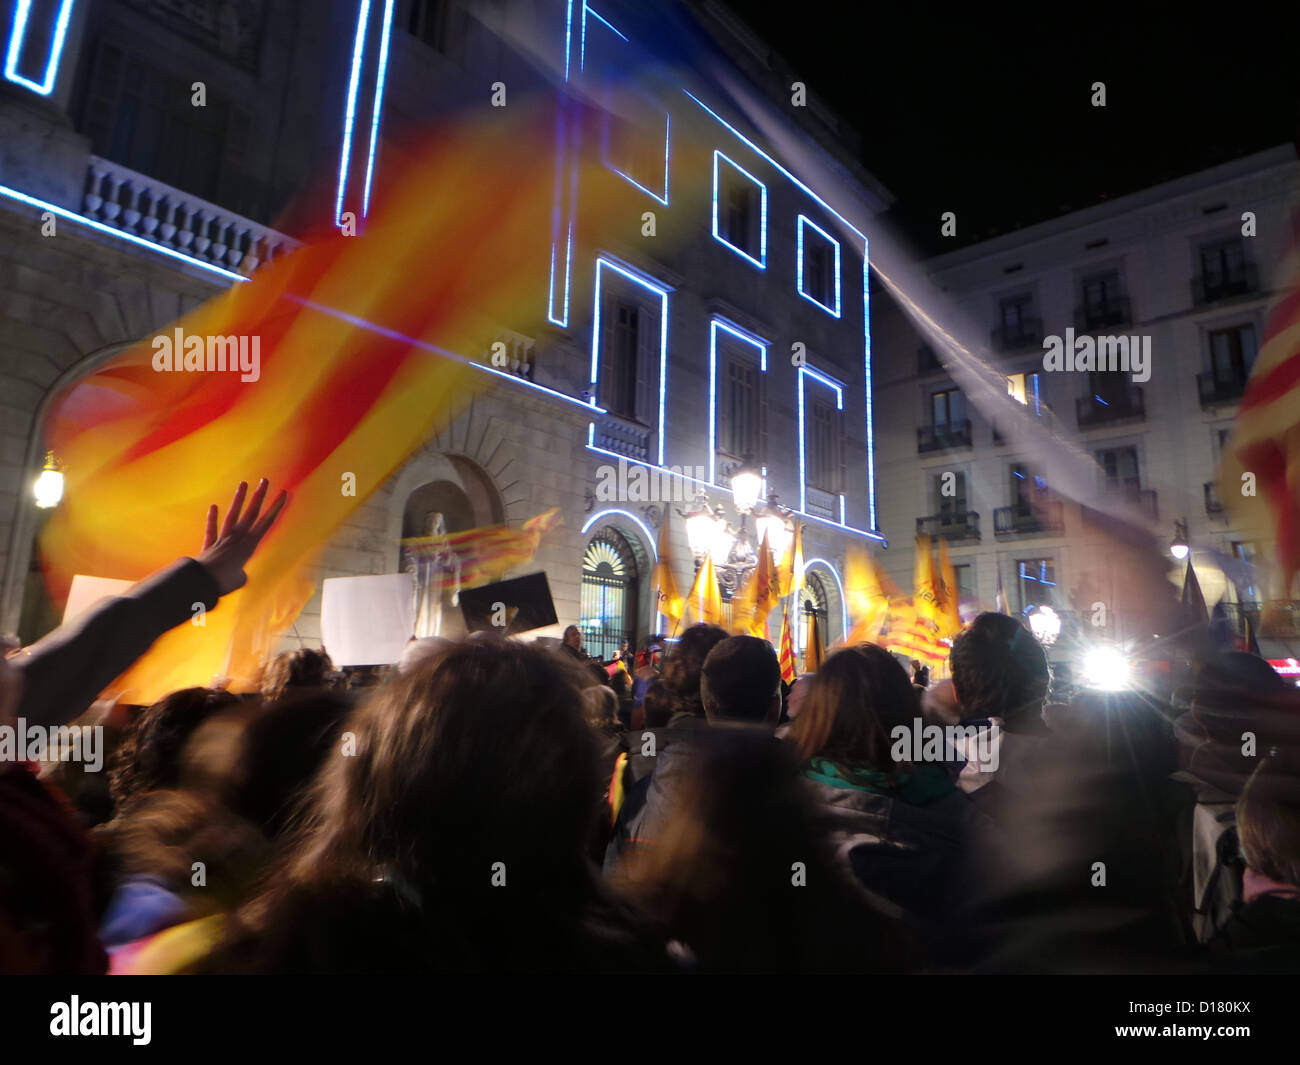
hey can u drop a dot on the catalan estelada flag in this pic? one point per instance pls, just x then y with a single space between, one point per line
361 341
485 554
788 672
1259 478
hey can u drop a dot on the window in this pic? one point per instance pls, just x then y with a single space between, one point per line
1110 388
1223 265
1026 488
954 504
140 116
739 210
1119 466
431 22
622 358
965 575
1024 388
636 145
947 408
1102 300
818 266
823 446
1018 324
1035 581
1232 354
740 405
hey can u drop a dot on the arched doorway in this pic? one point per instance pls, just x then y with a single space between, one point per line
610 594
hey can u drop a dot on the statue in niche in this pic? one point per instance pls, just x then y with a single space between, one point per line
436 568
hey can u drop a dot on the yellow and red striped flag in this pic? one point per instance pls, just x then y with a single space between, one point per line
1259 477
867 592
946 587
357 337
487 553
788 672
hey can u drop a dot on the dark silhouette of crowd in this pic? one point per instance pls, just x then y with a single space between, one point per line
496 805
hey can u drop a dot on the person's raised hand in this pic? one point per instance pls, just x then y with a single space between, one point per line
224 554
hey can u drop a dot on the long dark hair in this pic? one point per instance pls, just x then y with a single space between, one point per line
447 830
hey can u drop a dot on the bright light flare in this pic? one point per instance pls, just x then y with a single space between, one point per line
1106 669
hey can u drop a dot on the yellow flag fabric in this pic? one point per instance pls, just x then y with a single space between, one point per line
704 604
815 651
788 672
946 587
867 591
664 579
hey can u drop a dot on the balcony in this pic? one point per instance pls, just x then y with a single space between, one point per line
1128 405
1128 492
143 207
1029 519
1215 391
1212 504
623 437
955 526
1098 317
1210 288
947 437
1028 333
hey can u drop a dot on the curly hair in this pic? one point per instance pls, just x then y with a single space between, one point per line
1000 670
685 665
149 756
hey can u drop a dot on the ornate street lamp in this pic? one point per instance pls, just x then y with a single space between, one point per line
1178 546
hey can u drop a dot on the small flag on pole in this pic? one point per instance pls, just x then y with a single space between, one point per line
788 672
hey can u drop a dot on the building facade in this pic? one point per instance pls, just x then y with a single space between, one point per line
743 340
1185 270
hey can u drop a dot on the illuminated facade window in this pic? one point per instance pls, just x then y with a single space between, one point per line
817 266
739 210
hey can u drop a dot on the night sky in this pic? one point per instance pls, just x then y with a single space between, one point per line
976 109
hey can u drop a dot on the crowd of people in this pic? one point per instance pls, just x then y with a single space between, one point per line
496 805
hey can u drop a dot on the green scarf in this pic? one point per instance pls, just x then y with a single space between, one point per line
920 787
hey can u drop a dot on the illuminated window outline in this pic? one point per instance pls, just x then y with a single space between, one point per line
803 221
838 388
660 290
761 261
633 181
716 323
839 585
18 37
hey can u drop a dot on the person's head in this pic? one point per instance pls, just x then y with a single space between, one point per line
622 647
573 637
1268 823
600 709
1000 670
720 879
854 702
658 704
150 754
685 663
740 681
479 756
418 649
307 667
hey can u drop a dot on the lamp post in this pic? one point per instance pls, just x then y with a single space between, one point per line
1178 546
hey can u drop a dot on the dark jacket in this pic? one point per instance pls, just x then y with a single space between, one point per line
904 842
64 671
650 781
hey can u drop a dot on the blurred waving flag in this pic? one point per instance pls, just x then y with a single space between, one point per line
359 339
485 554
788 672
1259 478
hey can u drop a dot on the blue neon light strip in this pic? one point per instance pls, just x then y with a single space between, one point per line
805 221
761 261
350 110
650 192
650 537
714 325
838 388
839 526
866 377
18 35
131 238
640 279
844 606
378 107
563 321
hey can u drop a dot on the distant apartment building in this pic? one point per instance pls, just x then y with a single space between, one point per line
1169 265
